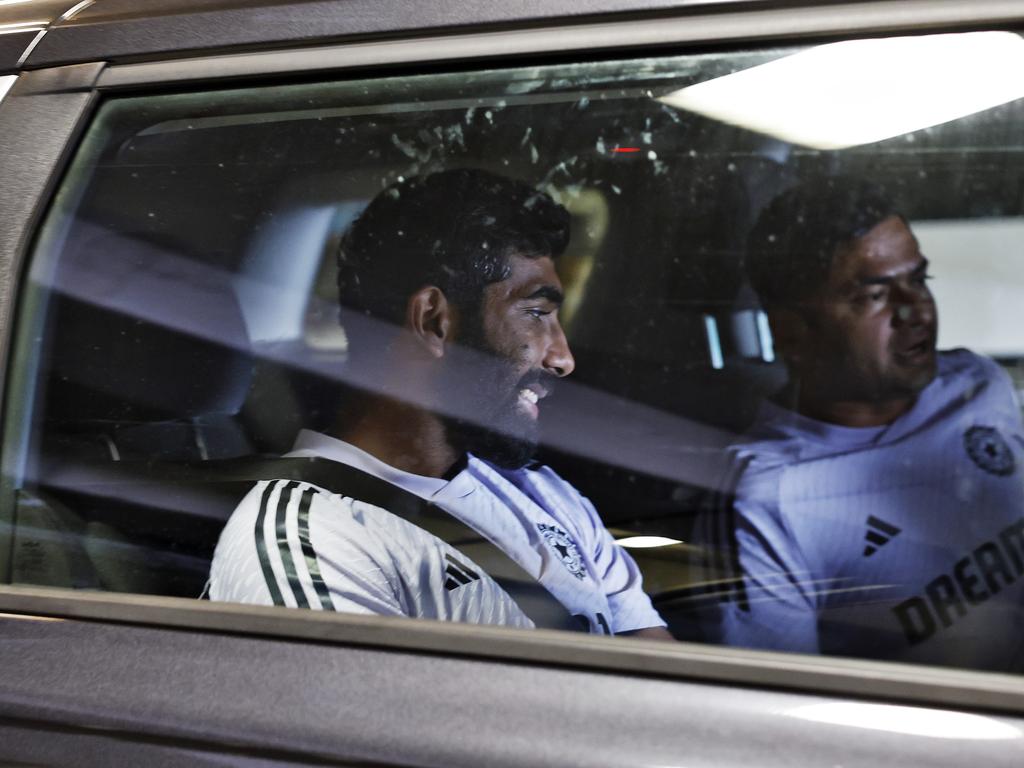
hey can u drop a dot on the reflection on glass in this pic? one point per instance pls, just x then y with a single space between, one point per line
913 721
861 91
6 82
875 510
181 325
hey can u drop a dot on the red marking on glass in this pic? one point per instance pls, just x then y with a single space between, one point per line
626 149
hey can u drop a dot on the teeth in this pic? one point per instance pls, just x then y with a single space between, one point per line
529 395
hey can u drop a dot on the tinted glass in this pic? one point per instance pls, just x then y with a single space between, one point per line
179 325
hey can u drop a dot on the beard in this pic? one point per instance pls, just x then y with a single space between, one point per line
502 450
495 427
506 436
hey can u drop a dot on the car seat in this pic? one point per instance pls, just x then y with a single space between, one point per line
146 364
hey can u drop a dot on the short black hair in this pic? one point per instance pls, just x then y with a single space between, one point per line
454 229
791 247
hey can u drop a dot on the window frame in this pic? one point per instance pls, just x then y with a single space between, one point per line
48 111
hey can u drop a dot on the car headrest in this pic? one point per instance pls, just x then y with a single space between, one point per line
142 332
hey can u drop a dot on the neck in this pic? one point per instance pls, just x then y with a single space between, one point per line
852 413
403 436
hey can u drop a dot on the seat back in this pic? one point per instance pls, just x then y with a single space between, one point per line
148 363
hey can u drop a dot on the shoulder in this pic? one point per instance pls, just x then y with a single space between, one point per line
764 453
980 379
758 461
558 492
964 364
282 503
268 495
327 515
535 477
548 493
544 475
961 361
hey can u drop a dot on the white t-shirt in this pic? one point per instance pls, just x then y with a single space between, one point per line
291 543
902 542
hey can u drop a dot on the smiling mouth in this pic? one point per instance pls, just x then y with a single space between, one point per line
528 400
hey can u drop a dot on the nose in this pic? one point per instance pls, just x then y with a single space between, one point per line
558 357
914 305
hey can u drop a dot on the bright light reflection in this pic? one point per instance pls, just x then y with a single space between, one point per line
915 721
860 91
22 26
647 542
6 81
75 10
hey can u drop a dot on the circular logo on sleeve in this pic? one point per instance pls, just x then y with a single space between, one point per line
989 450
565 547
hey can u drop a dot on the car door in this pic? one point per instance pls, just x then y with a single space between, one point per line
175 182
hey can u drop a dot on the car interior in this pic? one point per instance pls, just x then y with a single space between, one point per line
182 319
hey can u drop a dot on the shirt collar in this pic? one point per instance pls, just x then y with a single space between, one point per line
955 379
773 419
310 443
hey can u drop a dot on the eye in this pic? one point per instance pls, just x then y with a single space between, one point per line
872 295
537 314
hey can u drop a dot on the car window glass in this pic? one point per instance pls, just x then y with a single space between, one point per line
755 408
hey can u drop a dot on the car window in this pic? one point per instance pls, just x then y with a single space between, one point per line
763 250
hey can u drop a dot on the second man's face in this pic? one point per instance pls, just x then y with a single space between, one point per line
873 326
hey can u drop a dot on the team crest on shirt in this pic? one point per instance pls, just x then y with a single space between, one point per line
989 450
565 547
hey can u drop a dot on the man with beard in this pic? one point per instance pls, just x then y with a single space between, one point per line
422 502
878 508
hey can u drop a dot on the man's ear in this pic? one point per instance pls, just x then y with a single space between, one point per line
789 331
431 319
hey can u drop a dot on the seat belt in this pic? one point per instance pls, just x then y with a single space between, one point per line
530 595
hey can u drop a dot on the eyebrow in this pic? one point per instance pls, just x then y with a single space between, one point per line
922 266
548 292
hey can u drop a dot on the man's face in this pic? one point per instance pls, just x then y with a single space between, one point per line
871 329
524 352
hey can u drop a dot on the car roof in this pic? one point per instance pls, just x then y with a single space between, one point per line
21 26
46 33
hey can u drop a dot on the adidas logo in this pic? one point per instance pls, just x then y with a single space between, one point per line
879 534
458 574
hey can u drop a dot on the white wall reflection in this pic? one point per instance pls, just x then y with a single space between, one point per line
913 721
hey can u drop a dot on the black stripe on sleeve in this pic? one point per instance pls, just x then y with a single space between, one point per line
883 526
454 573
473 575
309 553
282 545
876 538
261 548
